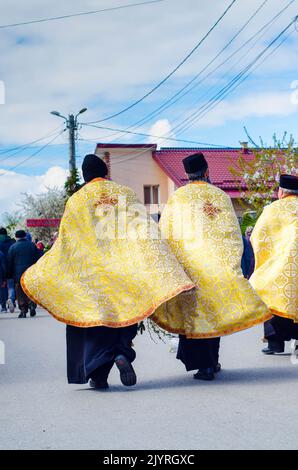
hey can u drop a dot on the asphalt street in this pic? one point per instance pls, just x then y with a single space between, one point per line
252 404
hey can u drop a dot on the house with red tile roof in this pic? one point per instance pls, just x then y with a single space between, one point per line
154 174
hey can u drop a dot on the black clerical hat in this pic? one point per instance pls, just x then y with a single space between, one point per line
94 167
289 182
195 163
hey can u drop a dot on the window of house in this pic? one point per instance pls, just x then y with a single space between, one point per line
151 194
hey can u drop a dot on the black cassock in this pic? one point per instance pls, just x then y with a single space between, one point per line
204 353
280 329
198 353
91 352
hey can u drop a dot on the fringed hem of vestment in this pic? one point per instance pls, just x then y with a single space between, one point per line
215 334
130 322
284 315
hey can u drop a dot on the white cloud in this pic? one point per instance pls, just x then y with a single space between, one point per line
260 105
161 128
13 185
54 177
110 59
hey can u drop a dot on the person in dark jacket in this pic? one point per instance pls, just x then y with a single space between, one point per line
2 267
248 233
21 256
247 261
7 293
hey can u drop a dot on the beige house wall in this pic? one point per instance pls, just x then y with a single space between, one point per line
171 187
136 168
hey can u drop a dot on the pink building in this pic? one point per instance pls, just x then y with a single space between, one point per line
155 174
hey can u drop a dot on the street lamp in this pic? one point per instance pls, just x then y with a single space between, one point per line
72 126
82 111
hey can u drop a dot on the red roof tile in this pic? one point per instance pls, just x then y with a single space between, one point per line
219 161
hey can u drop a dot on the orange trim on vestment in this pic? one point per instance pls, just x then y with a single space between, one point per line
97 179
198 182
215 334
284 315
110 325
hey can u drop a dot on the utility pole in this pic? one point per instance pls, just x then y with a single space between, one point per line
72 125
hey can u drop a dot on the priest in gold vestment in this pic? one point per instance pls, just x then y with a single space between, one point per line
202 228
275 243
107 271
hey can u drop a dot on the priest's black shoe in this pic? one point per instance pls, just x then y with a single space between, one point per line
204 374
274 347
98 385
32 312
22 315
127 374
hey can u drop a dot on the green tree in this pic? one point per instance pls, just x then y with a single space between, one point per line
12 221
72 184
47 205
260 171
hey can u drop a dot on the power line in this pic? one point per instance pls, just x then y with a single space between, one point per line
170 103
206 111
165 79
237 80
153 147
29 146
260 33
142 134
33 154
25 146
85 13
179 94
133 157
234 83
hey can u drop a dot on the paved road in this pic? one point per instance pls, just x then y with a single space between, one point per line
251 405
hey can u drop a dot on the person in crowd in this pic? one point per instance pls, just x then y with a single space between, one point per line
51 243
248 259
22 255
3 294
28 236
103 275
248 233
202 228
7 292
275 244
41 248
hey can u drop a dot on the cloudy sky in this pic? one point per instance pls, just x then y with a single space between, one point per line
107 61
